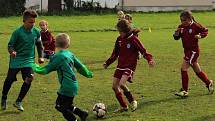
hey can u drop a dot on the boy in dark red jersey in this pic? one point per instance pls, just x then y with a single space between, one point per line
190 31
126 51
47 40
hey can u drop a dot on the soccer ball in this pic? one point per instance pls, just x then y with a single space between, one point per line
99 109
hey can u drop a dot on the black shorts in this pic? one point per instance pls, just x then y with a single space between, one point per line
64 101
26 72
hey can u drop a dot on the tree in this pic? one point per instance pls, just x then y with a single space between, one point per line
11 7
69 4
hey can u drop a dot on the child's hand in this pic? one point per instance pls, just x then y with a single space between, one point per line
198 36
35 66
105 66
179 31
151 63
41 60
90 74
13 54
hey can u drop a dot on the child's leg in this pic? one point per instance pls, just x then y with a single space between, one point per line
125 88
27 75
82 114
63 104
184 75
11 77
196 67
118 93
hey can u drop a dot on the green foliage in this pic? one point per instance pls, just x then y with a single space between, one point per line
11 7
153 87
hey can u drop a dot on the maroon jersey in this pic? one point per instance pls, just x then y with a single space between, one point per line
48 41
126 51
188 35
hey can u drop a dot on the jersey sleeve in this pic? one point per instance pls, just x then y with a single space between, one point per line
39 44
82 69
114 54
51 66
12 41
142 50
202 31
175 36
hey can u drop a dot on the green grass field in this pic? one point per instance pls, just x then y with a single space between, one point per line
92 41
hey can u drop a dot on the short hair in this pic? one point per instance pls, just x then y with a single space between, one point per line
62 40
43 21
123 26
128 16
29 14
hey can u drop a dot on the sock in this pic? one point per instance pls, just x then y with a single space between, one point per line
77 111
24 90
6 88
121 100
203 77
129 96
185 80
69 116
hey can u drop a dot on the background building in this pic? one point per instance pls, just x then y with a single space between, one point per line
130 5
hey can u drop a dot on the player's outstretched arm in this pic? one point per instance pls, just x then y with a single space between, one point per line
82 69
40 70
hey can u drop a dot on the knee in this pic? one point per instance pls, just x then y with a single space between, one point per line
28 80
183 69
59 108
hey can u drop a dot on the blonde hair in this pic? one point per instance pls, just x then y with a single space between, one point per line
43 21
120 15
128 17
62 40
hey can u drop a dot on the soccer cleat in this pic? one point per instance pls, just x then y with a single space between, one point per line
3 104
83 116
182 93
210 87
119 110
133 105
18 105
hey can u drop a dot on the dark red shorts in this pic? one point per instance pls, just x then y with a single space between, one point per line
124 71
191 56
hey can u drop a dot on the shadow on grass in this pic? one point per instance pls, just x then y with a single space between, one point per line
206 118
4 113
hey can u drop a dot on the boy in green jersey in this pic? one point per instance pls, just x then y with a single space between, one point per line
64 62
21 48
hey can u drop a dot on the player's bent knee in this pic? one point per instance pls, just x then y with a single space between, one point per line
59 108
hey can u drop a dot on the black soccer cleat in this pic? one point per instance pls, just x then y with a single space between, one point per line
83 116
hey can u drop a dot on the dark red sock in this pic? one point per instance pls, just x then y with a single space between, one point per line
203 77
185 79
129 96
121 99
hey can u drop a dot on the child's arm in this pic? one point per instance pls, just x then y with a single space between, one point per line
177 34
203 32
52 65
40 50
11 44
114 55
82 69
143 51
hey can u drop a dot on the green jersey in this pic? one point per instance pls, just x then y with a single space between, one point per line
64 62
23 43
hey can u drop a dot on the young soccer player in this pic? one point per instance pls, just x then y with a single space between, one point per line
64 63
135 30
21 48
120 15
47 40
190 32
126 51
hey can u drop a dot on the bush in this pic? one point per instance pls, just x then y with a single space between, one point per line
11 7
